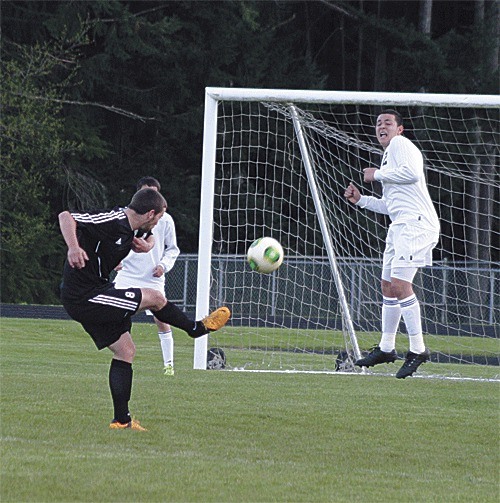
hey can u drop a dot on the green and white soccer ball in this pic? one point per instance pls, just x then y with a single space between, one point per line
265 255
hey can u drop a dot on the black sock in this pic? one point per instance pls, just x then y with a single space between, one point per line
172 315
120 384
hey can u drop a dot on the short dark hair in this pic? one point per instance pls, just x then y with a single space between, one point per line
148 181
397 115
145 200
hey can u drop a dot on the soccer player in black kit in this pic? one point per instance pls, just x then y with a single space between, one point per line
97 242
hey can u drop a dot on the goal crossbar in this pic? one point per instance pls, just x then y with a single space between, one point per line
353 97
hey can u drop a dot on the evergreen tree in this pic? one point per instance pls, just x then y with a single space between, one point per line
96 94
32 155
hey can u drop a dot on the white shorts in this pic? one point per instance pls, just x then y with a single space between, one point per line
407 246
124 282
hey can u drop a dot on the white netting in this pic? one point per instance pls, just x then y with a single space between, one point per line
292 319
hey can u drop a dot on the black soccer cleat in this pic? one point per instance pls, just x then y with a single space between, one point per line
377 356
412 362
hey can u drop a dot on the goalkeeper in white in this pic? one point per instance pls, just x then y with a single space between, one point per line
412 235
147 270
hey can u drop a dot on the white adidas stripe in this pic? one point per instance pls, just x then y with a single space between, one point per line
130 302
106 300
99 217
114 303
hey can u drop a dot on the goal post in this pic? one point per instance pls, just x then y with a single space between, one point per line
206 226
276 163
325 229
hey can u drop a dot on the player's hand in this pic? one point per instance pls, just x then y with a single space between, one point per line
77 257
140 245
119 267
352 194
369 174
158 271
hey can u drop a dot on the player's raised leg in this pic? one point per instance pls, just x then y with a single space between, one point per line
168 312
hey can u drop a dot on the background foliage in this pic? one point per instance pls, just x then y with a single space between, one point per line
97 93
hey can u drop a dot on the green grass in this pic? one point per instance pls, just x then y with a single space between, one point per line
317 339
277 349
233 436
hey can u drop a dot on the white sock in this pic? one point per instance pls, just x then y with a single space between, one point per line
410 309
391 315
167 347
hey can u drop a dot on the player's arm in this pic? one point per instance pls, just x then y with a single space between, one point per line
406 165
403 175
171 250
143 245
77 256
375 204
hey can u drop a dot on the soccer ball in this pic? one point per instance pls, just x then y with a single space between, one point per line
265 255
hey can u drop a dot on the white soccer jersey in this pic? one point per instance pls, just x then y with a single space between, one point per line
405 197
138 268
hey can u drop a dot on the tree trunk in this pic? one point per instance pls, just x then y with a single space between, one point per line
380 58
425 17
425 22
360 53
342 45
479 12
309 54
495 16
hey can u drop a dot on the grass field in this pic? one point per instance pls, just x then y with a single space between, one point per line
233 436
275 348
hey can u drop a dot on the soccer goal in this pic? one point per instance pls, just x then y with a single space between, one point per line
276 163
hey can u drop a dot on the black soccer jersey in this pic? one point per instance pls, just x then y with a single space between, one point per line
107 238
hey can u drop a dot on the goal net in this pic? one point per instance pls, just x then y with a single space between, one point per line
276 163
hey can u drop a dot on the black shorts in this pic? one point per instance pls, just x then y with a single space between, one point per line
106 314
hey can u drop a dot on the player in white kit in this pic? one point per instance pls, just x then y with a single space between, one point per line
147 270
412 235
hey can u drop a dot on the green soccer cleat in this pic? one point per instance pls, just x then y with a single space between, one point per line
168 370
